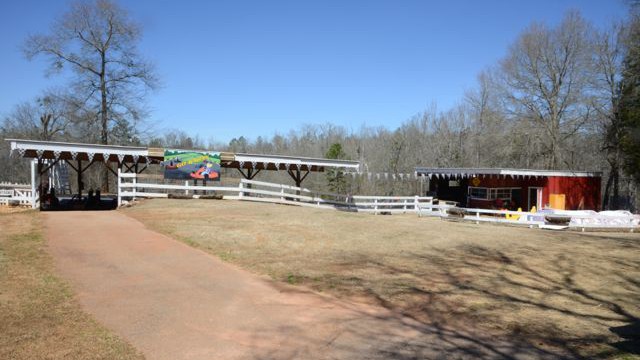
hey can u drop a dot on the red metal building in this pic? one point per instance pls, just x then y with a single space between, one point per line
515 188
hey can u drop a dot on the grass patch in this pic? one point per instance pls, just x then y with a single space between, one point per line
39 318
294 279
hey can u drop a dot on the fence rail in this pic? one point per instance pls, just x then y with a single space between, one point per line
8 185
575 220
22 195
252 190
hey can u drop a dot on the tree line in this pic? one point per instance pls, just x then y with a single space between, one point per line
563 97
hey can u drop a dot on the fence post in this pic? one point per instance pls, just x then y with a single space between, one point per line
135 183
375 207
119 189
477 217
404 208
186 183
33 184
282 193
240 187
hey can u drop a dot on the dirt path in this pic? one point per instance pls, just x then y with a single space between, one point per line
172 301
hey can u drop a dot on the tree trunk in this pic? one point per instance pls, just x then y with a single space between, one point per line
615 202
607 190
104 122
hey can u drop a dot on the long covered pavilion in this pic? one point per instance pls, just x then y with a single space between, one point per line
79 156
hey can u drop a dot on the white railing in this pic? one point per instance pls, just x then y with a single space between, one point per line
129 187
250 190
392 204
371 204
602 220
577 220
16 194
8 185
438 209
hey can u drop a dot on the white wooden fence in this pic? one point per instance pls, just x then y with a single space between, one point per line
264 191
391 204
579 220
129 187
16 194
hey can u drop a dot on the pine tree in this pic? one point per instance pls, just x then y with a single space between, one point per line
630 101
335 177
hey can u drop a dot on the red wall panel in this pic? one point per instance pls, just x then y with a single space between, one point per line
581 193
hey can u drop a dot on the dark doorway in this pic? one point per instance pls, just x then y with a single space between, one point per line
535 198
450 189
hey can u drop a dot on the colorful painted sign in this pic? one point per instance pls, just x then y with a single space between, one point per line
187 165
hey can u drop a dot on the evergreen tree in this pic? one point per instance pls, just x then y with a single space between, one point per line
630 101
335 177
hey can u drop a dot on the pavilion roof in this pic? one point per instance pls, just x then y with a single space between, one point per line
473 172
54 150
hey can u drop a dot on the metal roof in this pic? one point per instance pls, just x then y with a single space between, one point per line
132 154
285 162
77 151
470 172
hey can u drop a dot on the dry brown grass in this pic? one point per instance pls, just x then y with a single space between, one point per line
39 318
553 289
13 209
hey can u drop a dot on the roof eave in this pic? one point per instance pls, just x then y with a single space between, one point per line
506 172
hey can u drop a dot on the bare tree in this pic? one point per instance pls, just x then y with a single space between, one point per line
98 42
488 125
545 75
46 118
608 55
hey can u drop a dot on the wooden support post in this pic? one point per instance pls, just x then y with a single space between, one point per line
298 180
79 173
298 183
249 175
204 184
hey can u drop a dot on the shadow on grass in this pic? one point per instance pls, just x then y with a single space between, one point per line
393 336
631 335
569 320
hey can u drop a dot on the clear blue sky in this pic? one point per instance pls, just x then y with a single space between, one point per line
251 68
